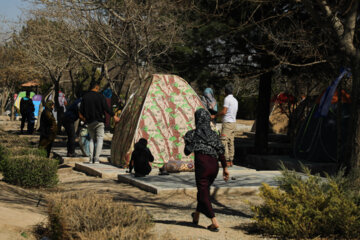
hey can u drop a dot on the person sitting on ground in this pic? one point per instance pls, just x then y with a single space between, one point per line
141 159
48 127
27 109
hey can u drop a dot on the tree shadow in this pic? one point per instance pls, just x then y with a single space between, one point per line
250 229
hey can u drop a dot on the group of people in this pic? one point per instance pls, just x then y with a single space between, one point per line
228 113
91 109
209 148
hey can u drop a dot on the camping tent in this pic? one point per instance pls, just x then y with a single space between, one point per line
161 111
318 138
279 113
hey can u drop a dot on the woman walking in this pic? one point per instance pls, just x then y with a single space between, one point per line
48 127
208 149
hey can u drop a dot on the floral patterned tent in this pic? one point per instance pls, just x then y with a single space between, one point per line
161 111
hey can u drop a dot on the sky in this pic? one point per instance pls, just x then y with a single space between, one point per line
10 9
10 14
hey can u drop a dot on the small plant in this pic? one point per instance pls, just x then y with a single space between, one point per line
3 155
21 151
30 171
87 215
307 206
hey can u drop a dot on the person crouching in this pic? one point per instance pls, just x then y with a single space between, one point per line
141 159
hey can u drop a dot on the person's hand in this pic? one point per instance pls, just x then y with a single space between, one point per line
226 174
213 116
116 119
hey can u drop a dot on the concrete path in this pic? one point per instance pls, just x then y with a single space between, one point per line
241 179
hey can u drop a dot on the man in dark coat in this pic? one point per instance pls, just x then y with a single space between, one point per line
27 109
48 128
141 159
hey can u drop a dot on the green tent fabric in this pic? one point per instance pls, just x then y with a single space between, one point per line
161 111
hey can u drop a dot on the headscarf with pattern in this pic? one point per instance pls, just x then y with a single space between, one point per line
203 139
49 104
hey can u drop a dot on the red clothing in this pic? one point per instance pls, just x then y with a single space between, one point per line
206 170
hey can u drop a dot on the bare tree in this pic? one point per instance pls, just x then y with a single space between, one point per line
39 41
15 68
119 37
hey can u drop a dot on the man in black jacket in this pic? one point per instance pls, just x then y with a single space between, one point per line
92 112
27 113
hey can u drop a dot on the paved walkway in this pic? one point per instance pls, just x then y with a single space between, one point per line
241 179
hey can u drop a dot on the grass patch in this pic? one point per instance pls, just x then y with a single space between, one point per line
30 171
88 215
24 165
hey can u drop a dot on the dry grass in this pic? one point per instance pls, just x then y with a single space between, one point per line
12 140
88 215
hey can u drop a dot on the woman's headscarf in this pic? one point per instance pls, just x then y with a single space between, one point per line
203 139
49 105
209 99
141 144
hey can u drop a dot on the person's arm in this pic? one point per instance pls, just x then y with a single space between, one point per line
131 164
82 111
82 118
224 109
221 113
151 157
226 174
109 110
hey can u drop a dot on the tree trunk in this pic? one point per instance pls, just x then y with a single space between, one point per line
56 97
262 119
353 144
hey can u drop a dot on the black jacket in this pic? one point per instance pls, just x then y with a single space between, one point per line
93 107
140 158
26 106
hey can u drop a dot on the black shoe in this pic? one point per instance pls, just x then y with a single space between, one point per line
139 175
71 155
213 228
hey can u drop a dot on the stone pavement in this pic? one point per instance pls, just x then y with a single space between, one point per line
243 180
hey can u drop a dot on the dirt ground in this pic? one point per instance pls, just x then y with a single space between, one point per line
21 209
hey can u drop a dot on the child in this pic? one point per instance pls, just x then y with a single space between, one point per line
141 159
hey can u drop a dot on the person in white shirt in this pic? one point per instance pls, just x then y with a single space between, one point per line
228 112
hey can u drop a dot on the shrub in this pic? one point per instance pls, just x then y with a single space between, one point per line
306 207
3 155
21 151
87 215
31 171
